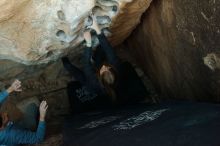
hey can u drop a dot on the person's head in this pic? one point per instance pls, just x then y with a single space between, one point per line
3 120
108 78
107 75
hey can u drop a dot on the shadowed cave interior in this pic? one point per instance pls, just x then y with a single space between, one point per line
170 51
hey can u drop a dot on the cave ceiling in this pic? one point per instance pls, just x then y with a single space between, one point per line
36 32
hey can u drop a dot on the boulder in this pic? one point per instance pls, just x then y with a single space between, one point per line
36 32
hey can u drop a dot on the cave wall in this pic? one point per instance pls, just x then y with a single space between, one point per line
170 44
30 50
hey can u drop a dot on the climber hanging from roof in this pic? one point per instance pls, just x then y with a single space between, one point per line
99 78
101 81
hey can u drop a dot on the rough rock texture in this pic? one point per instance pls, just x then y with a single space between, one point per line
51 79
212 60
171 42
35 32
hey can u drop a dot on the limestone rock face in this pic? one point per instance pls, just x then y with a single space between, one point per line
35 32
177 44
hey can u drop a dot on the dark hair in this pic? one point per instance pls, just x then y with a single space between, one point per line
113 72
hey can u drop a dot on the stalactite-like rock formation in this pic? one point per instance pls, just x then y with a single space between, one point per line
35 32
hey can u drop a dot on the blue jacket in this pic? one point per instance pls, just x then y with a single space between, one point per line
3 96
12 135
